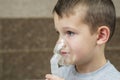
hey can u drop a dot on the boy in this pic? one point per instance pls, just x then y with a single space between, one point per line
85 26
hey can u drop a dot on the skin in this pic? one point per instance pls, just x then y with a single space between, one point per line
82 49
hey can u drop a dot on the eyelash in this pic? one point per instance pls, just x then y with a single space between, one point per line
70 33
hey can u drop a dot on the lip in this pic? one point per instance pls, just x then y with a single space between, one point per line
63 53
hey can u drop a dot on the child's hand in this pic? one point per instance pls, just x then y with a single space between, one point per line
52 77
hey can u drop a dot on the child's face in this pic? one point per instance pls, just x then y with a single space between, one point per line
80 44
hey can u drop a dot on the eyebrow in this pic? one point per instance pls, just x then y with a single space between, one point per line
66 27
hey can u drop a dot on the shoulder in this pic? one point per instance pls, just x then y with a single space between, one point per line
112 73
113 76
108 72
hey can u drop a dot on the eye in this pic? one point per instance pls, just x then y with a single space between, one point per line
70 33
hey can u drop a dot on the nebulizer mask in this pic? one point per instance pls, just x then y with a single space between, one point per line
57 60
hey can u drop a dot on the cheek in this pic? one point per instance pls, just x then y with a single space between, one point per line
81 50
77 49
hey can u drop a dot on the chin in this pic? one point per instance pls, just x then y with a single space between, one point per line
65 61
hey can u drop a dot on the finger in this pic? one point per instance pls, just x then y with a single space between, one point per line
51 77
48 76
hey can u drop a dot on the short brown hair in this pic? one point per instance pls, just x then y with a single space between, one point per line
99 12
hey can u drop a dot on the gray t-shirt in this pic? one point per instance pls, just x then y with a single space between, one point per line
107 72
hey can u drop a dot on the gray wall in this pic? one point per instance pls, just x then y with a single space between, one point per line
33 8
26 8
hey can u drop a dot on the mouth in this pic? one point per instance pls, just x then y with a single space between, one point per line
63 53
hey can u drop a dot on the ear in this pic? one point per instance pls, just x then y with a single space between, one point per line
103 34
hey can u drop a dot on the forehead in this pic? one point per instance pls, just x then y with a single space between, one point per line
76 17
79 10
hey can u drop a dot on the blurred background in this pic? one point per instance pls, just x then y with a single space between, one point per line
27 39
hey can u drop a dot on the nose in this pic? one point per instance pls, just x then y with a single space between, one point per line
59 40
62 42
